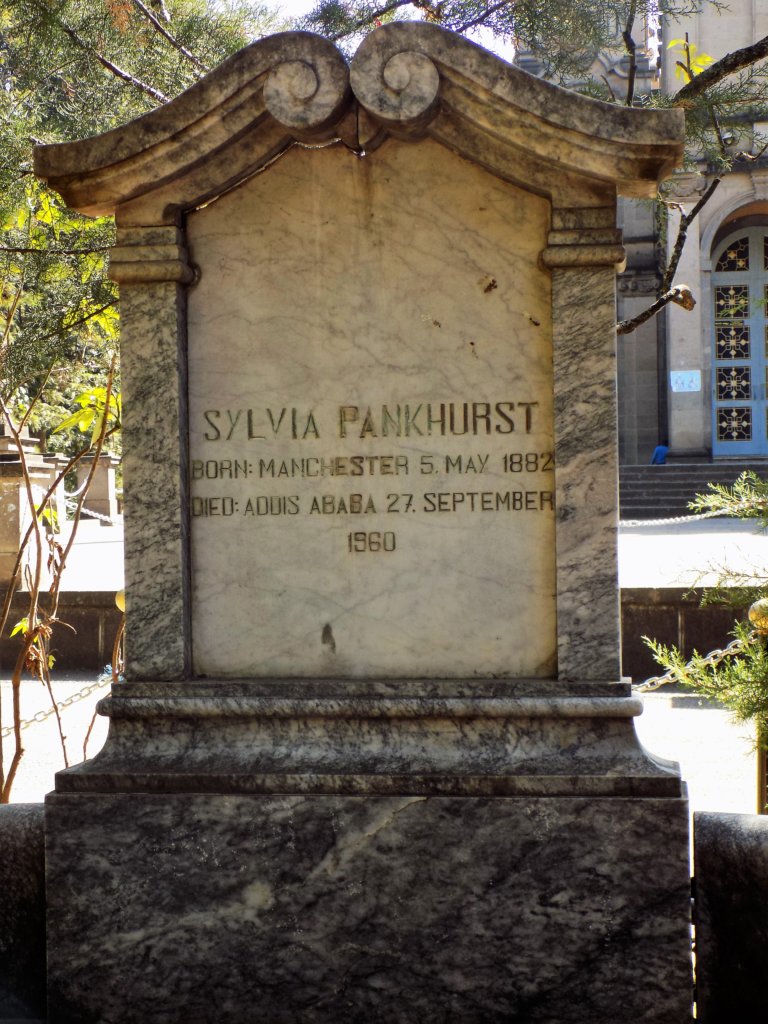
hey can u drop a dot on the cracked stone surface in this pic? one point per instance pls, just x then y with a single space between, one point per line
347 909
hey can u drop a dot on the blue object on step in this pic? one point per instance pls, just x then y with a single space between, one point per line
659 456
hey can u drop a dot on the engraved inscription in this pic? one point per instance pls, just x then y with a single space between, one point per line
430 420
370 433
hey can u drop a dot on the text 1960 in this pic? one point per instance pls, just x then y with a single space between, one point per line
361 541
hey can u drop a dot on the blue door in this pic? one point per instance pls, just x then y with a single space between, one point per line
739 285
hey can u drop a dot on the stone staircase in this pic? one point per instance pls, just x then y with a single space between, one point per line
656 492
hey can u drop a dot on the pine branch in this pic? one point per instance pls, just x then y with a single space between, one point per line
170 38
721 69
125 76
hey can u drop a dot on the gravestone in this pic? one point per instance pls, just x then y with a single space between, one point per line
372 760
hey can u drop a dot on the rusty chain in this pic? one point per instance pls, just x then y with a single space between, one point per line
711 659
74 698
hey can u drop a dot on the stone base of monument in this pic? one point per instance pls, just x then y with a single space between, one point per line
433 851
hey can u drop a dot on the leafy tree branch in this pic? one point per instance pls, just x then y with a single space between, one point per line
737 675
36 627
720 69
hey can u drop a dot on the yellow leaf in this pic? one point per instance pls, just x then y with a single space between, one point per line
692 62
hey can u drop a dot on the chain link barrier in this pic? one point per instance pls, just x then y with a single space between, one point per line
74 698
708 661
737 646
72 505
671 520
740 510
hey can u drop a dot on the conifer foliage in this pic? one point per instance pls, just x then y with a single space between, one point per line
70 69
737 676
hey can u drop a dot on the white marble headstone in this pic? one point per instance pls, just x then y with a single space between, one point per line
371 421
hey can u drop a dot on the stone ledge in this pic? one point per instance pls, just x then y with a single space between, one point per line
455 737
599 785
328 687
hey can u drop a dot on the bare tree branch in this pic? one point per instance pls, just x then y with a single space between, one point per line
680 295
686 219
167 35
125 76
162 9
631 47
610 89
482 17
727 65
368 19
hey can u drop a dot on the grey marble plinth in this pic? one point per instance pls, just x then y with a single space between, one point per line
348 851
339 909
479 737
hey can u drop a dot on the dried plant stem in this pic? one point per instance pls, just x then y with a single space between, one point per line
34 653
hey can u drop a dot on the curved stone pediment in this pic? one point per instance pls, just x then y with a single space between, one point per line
407 79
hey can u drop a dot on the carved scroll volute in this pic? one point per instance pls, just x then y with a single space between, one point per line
308 94
399 87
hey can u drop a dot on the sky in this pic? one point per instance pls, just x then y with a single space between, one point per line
295 8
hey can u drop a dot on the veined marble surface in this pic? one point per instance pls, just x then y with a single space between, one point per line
337 910
584 303
405 283
472 737
155 472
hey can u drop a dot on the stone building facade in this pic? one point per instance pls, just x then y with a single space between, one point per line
696 381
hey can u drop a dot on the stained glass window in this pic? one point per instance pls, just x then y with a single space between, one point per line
734 383
734 424
735 257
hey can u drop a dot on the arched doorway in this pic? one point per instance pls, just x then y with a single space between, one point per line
740 290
